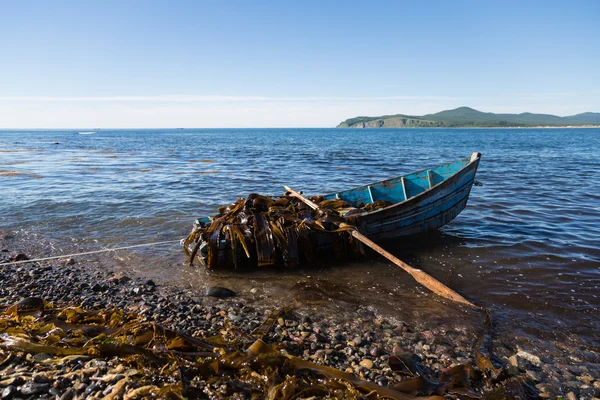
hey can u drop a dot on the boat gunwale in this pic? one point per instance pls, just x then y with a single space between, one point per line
472 160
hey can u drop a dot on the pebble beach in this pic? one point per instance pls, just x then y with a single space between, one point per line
361 348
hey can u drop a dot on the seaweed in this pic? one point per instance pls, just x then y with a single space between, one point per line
274 231
179 365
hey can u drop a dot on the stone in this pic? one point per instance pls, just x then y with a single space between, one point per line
31 388
571 396
96 287
68 395
532 375
535 360
368 364
375 351
9 392
587 379
219 292
397 349
18 257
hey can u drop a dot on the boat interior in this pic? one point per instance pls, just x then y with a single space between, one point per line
402 188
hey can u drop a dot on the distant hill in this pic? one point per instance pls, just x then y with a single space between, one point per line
466 117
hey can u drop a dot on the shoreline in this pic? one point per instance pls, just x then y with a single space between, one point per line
362 347
479 127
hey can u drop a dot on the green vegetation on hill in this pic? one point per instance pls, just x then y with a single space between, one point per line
466 117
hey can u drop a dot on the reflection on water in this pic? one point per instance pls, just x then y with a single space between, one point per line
527 245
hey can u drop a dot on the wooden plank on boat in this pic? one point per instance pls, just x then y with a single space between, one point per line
404 188
370 193
429 178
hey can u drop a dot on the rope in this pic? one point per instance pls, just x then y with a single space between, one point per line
89 252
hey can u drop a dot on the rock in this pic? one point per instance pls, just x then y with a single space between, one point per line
219 292
97 287
532 375
291 323
535 360
30 304
9 392
357 341
524 361
587 379
375 351
16 381
397 349
571 396
68 395
41 378
70 261
368 364
18 257
427 335
31 388
148 282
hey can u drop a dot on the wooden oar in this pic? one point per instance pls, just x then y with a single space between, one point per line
423 278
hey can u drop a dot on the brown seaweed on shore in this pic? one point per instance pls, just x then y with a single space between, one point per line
181 366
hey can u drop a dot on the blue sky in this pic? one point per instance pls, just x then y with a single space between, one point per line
284 63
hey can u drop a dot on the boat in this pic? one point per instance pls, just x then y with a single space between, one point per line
86 133
421 201
401 206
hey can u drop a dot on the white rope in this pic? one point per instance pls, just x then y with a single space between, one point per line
88 252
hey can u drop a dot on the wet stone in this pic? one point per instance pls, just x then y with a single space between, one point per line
219 292
30 388
18 257
368 364
80 387
68 395
375 351
8 392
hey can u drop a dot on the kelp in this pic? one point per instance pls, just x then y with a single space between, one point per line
180 366
264 231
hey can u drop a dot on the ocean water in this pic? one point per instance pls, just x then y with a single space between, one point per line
527 245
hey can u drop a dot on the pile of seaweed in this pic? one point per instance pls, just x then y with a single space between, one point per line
283 231
177 366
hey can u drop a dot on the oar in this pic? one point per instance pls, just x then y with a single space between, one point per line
423 278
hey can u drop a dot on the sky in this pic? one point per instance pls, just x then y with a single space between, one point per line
163 64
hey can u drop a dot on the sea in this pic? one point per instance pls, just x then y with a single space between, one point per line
527 246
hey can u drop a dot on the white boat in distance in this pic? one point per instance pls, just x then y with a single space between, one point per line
86 133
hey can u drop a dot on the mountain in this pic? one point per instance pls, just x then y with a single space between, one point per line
466 117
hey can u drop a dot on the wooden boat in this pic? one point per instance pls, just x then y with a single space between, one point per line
422 201
405 205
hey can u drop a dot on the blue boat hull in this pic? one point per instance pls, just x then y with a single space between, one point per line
429 199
